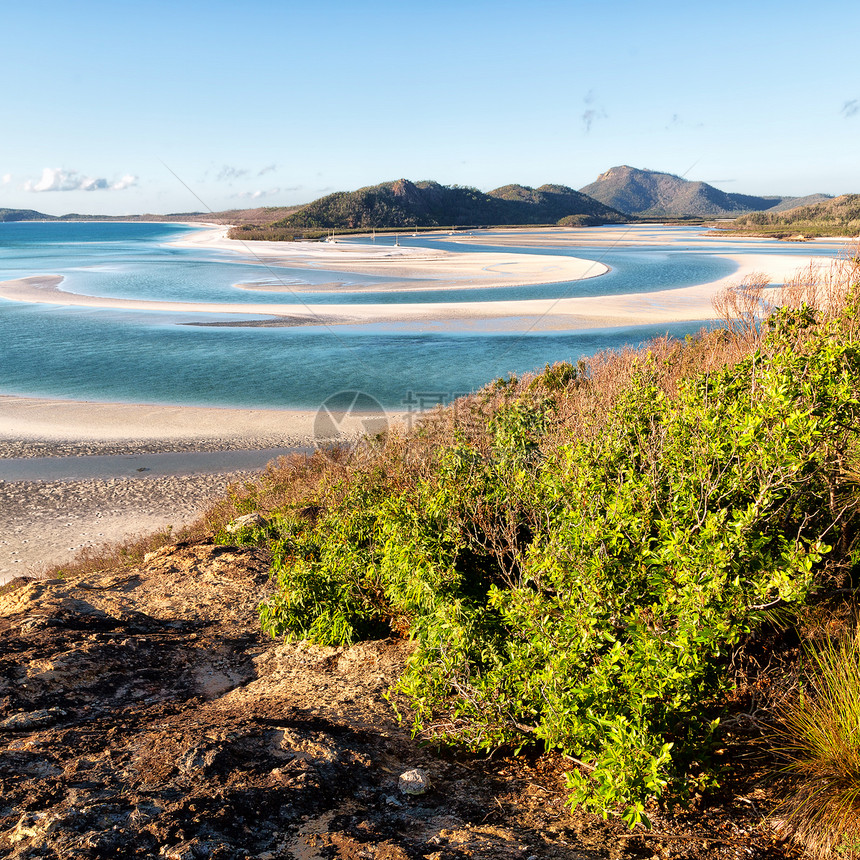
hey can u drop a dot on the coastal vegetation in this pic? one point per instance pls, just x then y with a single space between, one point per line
609 558
272 233
22 215
837 217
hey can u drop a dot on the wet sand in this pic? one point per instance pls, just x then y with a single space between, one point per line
48 522
38 427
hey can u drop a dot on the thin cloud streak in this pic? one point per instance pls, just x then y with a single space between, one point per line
591 114
256 195
228 173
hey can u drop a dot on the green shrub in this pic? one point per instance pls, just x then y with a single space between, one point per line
588 594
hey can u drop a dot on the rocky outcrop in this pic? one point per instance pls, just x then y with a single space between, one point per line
144 715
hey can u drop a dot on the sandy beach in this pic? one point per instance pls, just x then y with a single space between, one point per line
621 236
38 427
441 269
47 521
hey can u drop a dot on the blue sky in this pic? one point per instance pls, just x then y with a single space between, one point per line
271 103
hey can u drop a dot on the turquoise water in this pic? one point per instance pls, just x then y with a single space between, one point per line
130 356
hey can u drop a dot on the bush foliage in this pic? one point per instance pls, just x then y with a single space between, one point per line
837 217
582 582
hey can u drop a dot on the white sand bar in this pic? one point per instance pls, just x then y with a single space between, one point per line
437 269
674 305
26 418
444 268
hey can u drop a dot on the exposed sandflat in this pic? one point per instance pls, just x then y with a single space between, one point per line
43 522
675 305
48 522
618 237
443 268
31 418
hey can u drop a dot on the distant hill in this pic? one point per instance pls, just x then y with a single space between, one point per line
837 216
33 215
649 193
259 215
24 215
794 202
429 204
552 204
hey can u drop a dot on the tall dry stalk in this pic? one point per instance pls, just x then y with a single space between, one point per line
742 307
829 288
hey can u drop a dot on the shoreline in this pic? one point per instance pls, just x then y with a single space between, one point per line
44 426
681 304
445 269
49 520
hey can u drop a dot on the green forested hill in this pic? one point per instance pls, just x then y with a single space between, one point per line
429 204
24 215
839 216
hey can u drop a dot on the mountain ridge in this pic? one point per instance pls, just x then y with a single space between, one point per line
652 193
619 194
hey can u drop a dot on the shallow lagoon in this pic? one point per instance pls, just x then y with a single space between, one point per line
132 356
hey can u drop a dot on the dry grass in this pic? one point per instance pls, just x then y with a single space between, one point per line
122 554
819 741
826 287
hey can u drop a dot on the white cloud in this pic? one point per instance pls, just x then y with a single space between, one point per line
269 168
256 195
128 181
7 178
57 179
